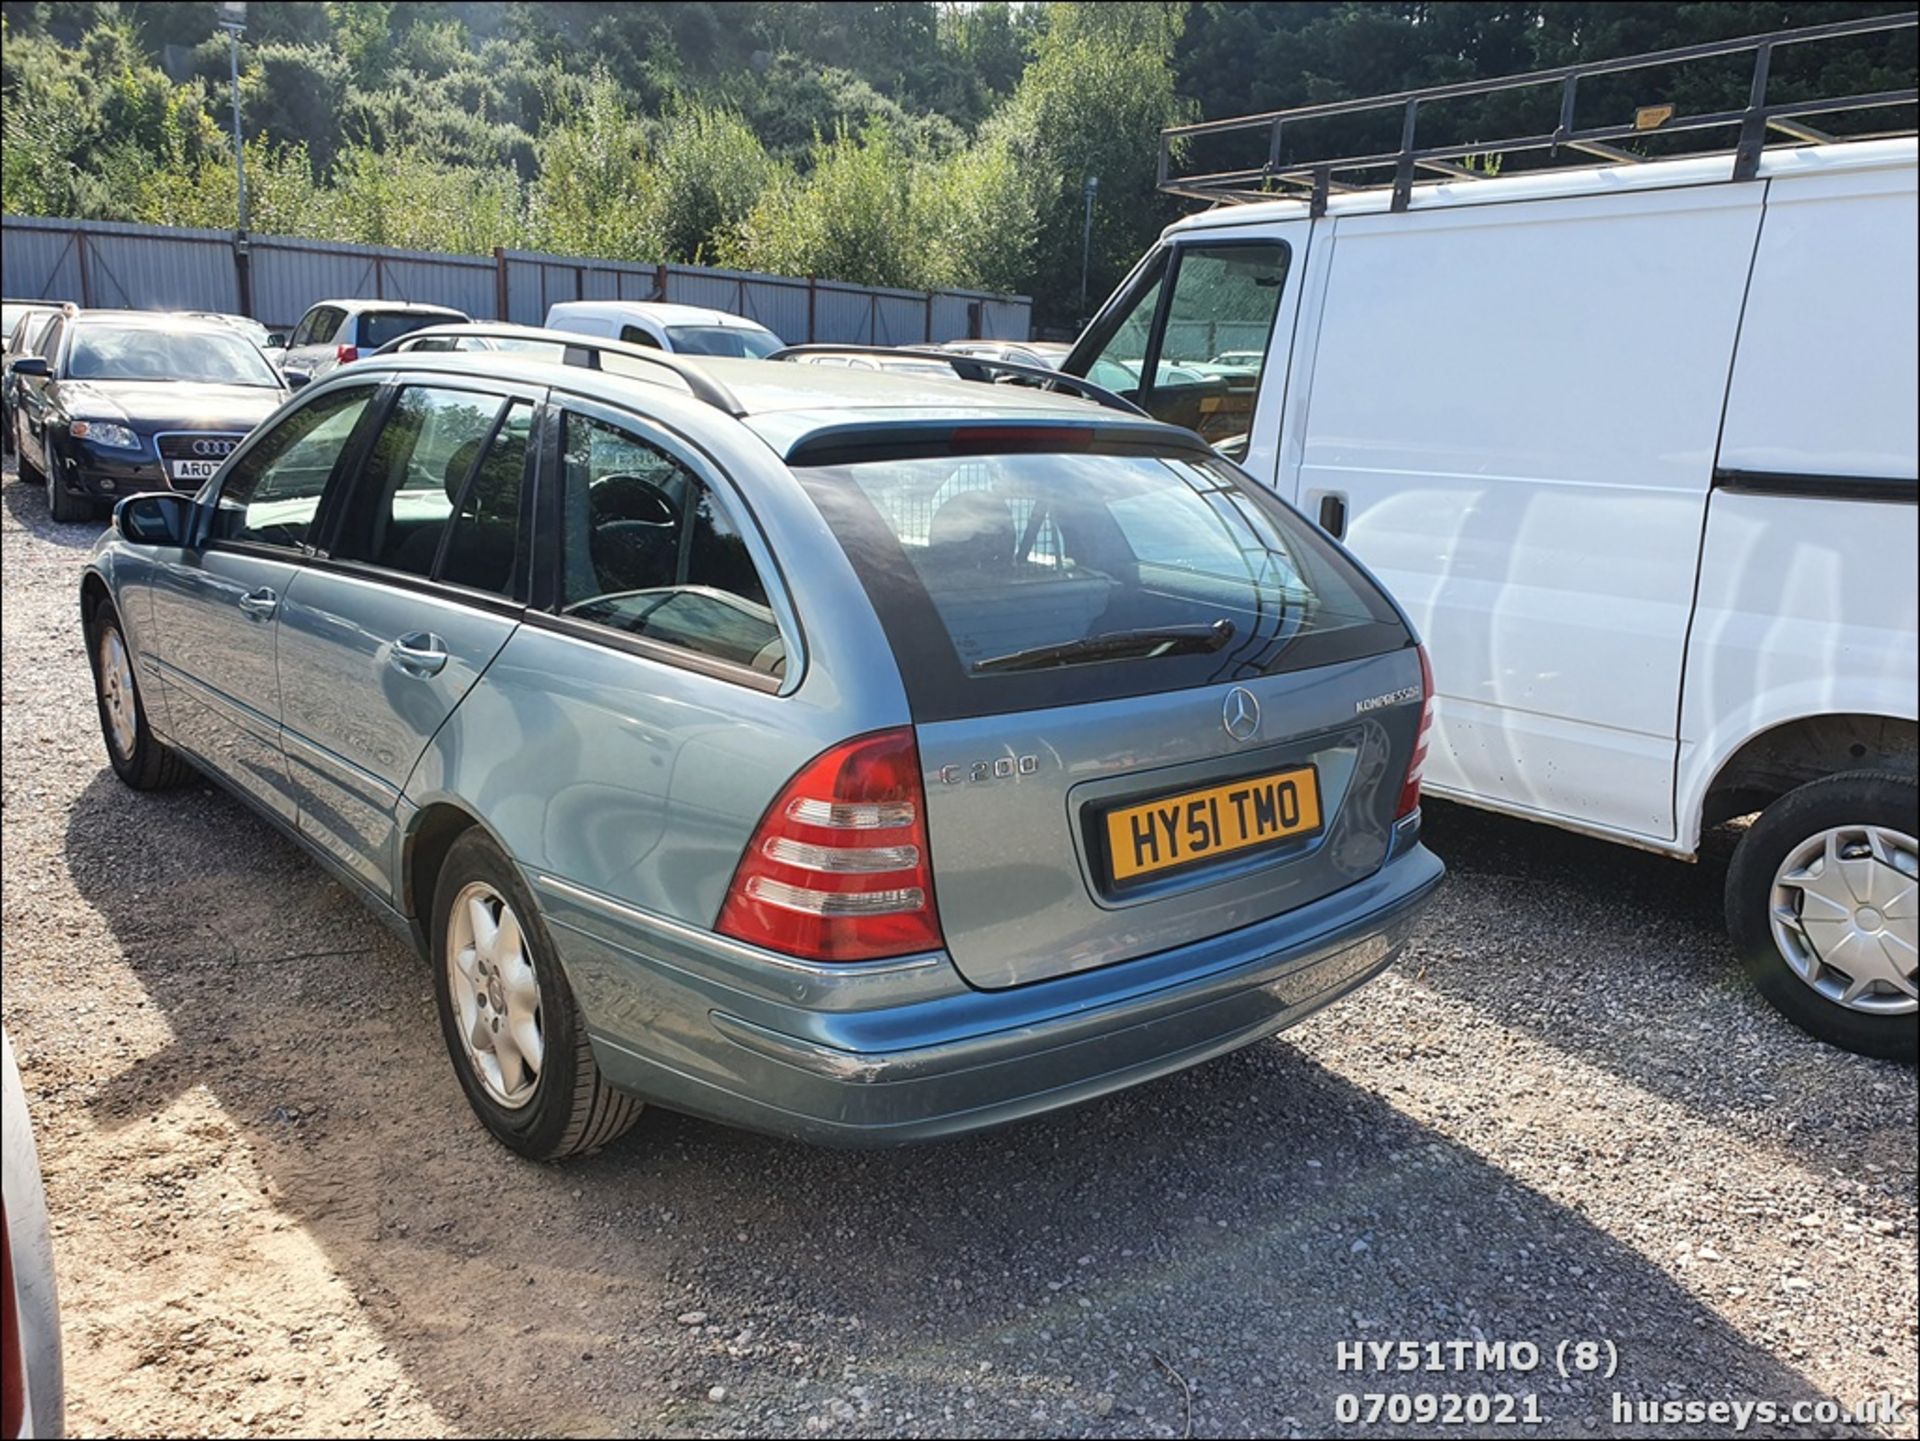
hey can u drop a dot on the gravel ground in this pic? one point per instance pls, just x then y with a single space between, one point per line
1563 1117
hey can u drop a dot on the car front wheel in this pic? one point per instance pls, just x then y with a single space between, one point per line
1821 902
139 757
516 1039
62 503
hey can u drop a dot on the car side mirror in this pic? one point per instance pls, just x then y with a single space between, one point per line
158 518
276 340
296 378
32 365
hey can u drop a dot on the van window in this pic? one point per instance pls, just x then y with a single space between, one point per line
649 551
1210 345
634 335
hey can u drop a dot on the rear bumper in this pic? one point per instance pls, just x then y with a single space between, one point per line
907 1051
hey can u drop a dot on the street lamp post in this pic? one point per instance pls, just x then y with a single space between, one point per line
1092 189
233 20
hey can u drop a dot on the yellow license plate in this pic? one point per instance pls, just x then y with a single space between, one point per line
1198 825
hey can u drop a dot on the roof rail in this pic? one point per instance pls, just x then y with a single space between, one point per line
976 367
1751 125
700 385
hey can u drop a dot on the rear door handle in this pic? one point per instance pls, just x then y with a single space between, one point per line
1333 515
419 653
260 604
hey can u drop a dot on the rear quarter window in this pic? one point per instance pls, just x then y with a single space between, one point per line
1016 582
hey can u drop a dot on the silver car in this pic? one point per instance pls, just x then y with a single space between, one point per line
855 757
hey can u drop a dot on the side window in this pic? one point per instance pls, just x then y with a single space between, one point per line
326 324
634 335
649 551
303 332
1219 321
1210 355
415 474
50 346
483 550
273 491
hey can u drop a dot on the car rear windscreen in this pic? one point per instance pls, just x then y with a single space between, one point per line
738 341
383 327
1013 582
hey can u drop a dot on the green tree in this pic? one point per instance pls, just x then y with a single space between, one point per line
708 172
595 180
851 217
1092 103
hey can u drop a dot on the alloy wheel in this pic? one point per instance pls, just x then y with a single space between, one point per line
496 994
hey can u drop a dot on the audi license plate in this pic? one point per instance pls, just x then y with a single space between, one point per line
192 469
1197 825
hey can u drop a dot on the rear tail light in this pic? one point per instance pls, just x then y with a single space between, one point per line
346 354
838 868
1410 788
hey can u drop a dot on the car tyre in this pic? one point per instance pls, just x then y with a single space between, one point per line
1778 874
27 470
62 504
139 757
482 957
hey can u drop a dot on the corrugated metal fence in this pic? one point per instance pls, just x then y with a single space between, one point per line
154 267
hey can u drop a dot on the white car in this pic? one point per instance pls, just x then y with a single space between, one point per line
1635 447
688 329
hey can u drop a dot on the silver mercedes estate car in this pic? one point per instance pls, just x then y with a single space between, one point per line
855 757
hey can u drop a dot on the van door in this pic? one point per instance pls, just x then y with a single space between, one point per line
1199 335
1517 406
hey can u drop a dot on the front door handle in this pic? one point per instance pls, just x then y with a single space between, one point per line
260 604
420 654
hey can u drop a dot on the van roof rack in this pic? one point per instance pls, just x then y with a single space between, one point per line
975 367
1752 126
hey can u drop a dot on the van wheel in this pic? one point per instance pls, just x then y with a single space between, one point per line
1821 905
511 1027
139 757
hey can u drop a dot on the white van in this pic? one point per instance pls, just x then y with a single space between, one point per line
1634 446
689 329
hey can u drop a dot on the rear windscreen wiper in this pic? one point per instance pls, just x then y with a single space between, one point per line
1145 644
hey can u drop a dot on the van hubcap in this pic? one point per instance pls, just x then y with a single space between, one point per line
496 995
116 693
1844 917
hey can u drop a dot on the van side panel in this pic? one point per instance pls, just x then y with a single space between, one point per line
1825 380
1808 603
1807 608
1521 405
